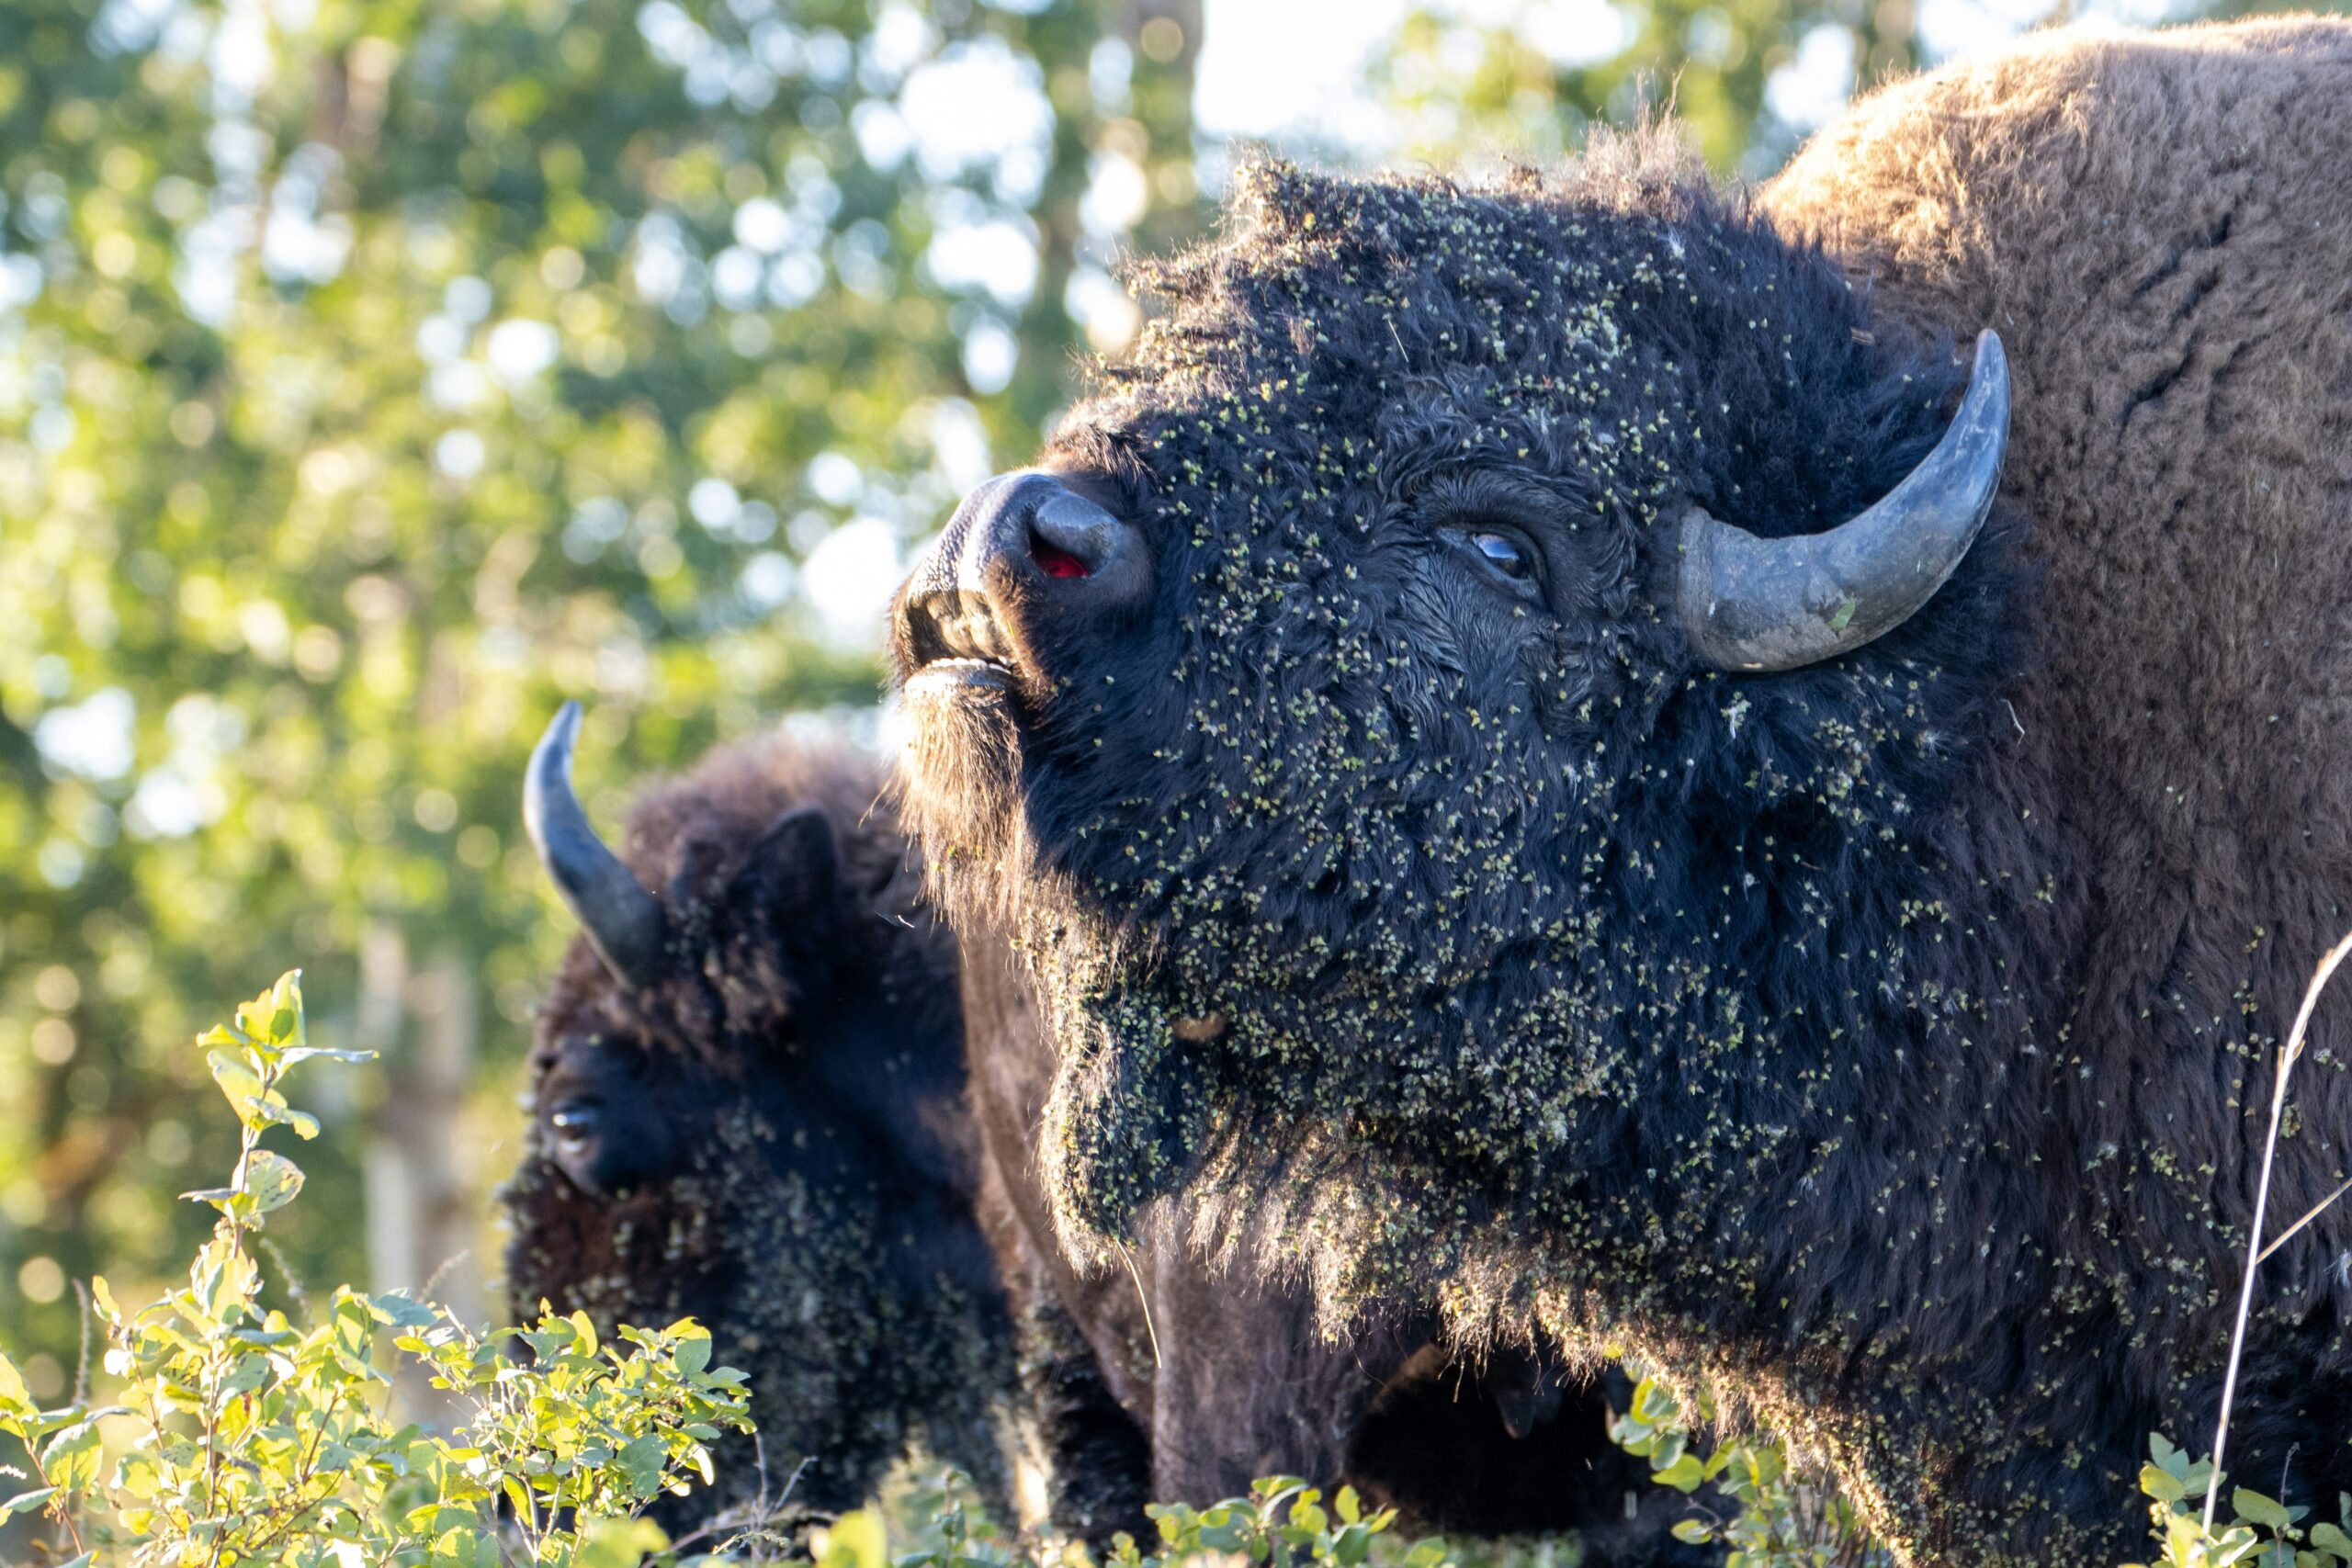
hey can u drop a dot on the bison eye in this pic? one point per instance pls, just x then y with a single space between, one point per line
1504 554
575 1124
1508 555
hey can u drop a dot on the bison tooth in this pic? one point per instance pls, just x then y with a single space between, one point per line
1200 1028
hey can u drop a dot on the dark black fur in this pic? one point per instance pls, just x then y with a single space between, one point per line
1521 962
772 1140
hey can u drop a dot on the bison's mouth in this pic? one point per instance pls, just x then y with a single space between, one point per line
951 638
962 671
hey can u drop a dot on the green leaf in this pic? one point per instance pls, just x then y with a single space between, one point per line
238 1080
273 1021
26 1502
275 1112
221 1198
2256 1508
1684 1474
694 1352
272 1179
14 1398
642 1461
1696 1532
2161 1483
71 1457
2329 1538
619 1543
857 1540
222 1277
321 1053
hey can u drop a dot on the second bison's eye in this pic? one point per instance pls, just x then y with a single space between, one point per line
576 1123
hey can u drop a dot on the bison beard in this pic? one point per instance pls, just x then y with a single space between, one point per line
1873 1040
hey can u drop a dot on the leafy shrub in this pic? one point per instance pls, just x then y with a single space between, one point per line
2261 1532
1779 1518
1283 1523
241 1439
252 1440
1776 1516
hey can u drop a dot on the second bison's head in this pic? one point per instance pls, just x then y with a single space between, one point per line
1476 631
746 1099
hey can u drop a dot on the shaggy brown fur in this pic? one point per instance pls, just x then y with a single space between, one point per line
1885 1040
2160 227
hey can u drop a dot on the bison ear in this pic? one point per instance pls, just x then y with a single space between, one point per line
795 865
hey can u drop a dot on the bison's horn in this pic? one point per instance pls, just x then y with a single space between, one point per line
1753 603
622 919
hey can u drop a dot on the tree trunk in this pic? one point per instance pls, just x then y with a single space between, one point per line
420 1221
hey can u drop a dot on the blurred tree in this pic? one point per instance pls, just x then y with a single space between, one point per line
373 375
1479 80
1746 78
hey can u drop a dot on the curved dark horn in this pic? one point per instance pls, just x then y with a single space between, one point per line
1751 603
622 919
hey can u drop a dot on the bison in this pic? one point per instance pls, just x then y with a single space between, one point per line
746 1106
1542 751
748 1103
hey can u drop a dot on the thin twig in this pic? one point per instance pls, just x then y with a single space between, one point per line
81 1364
2317 1209
293 1281
2254 1253
434 1280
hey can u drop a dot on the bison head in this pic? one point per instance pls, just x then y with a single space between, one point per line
745 1097
1437 716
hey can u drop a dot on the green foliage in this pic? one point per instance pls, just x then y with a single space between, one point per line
1766 1513
2256 1531
374 376
1518 79
1486 84
1282 1523
1777 1517
241 1435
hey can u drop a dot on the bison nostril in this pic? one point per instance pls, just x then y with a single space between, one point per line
1054 561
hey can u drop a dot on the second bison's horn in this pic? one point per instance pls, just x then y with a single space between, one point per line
1755 603
622 919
